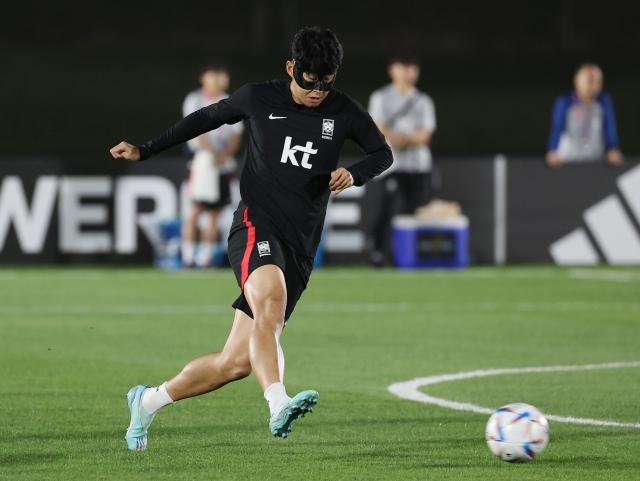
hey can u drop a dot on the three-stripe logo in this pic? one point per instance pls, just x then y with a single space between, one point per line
610 226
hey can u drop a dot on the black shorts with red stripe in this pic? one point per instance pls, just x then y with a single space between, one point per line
251 247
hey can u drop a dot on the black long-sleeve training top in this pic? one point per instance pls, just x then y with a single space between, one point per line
291 153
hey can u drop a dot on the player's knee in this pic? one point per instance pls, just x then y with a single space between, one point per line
272 307
277 299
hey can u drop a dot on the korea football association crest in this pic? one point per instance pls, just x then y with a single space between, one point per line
263 248
327 129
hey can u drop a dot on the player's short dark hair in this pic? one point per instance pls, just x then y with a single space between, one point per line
315 49
405 59
214 64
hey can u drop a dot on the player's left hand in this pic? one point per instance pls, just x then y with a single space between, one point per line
341 179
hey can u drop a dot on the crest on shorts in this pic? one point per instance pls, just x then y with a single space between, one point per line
327 128
264 249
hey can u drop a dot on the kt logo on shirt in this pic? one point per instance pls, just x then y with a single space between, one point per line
289 153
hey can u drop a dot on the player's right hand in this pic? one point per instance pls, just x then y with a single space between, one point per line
126 151
614 157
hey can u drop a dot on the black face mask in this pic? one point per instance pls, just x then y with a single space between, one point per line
318 84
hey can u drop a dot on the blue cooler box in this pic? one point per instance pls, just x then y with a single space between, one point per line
168 254
424 243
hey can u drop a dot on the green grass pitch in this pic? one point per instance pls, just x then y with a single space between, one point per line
73 341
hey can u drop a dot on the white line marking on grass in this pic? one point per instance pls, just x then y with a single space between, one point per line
409 390
454 274
371 308
602 275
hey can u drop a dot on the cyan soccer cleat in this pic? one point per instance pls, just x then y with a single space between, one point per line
136 436
282 420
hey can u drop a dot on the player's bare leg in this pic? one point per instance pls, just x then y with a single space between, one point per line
266 293
211 232
189 229
209 239
190 226
260 337
212 371
204 374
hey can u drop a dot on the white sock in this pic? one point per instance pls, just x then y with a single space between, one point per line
156 398
188 251
204 254
275 395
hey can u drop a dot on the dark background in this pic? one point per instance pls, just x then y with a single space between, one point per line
77 77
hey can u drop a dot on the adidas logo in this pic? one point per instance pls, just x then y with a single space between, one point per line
609 225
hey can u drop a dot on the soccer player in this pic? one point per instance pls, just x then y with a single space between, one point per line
297 130
583 125
211 167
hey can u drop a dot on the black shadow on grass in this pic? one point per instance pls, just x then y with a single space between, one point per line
414 459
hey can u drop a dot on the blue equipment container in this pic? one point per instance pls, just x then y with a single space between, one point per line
168 256
429 243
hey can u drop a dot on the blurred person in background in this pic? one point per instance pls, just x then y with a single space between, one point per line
407 119
583 127
213 164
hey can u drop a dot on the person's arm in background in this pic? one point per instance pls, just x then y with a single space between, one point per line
422 136
230 150
189 106
558 122
613 155
396 141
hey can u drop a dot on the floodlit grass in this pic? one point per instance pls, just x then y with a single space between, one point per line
73 341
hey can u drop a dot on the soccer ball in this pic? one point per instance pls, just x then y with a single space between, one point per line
517 433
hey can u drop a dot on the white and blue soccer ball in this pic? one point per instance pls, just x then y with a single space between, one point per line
517 432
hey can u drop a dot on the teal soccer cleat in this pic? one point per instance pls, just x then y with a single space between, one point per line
282 420
136 436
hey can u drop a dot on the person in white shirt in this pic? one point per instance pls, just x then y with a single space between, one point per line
406 117
213 163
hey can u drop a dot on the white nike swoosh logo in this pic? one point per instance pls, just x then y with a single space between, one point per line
271 117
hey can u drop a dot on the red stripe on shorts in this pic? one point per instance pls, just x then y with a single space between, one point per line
251 240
